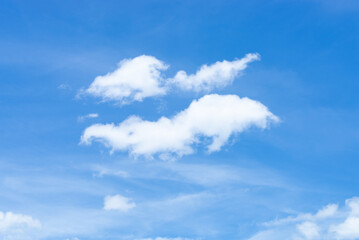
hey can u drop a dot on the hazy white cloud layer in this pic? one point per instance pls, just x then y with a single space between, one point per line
141 77
214 117
118 202
331 223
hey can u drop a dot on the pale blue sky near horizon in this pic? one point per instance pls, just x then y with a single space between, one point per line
307 76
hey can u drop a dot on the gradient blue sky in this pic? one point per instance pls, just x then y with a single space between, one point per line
307 76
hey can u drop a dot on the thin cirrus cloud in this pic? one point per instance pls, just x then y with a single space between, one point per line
118 202
205 175
214 117
102 171
330 222
142 77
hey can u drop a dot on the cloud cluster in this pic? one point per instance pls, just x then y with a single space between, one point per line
142 77
331 223
214 117
118 202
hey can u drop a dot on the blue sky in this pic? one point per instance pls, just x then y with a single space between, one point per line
74 164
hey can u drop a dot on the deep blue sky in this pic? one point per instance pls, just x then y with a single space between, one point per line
307 76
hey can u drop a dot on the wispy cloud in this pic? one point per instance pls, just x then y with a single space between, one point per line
197 174
90 115
64 86
330 222
208 77
174 208
101 171
212 116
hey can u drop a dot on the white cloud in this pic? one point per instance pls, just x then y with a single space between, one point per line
329 223
90 115
219 74
17 226
327 211
349 229
9 220
118 202
213 116
141 77
134 80
309 230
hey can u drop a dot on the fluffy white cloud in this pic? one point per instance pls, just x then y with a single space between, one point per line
209 77
9 220
329 223
349 229
141 77
214 117
309 230
18 226
134 80
118 202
